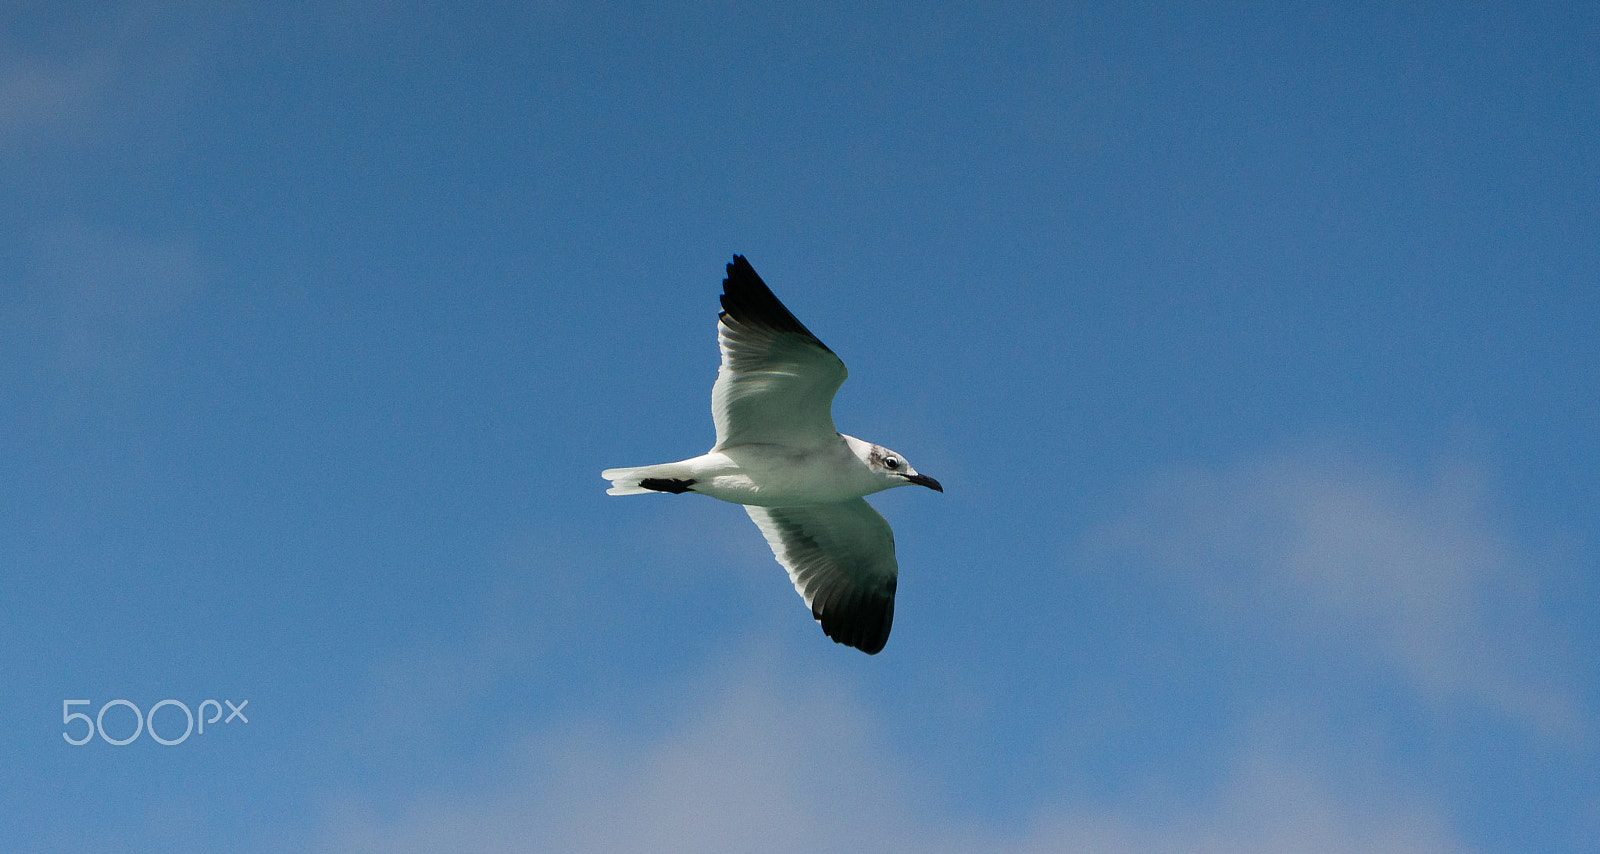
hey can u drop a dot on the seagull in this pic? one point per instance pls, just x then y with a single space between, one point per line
778 454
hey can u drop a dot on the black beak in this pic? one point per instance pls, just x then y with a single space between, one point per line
924 480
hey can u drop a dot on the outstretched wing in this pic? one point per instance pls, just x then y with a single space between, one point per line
841 559
777 381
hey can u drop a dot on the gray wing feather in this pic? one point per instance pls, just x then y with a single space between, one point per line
841 559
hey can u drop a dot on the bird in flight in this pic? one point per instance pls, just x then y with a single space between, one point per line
778 454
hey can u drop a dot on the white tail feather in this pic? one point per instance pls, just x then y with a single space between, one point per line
626 481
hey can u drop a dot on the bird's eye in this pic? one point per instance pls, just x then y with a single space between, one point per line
892 462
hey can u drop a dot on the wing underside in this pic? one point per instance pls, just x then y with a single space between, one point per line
841 559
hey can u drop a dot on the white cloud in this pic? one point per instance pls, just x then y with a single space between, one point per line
758 766
1344 557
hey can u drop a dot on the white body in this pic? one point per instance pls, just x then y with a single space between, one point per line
771 475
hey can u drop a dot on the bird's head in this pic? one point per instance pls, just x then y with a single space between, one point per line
894 467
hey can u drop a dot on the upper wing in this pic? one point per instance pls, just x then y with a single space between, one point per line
777 380
841 559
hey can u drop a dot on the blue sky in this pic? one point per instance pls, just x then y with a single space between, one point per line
1254 345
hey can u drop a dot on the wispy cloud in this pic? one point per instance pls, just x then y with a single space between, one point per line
38 96
92 86
1334 555
93 295
1268 803
754 765
1341 555
66 86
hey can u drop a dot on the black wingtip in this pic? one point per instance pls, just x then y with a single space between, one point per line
748 300
862 623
